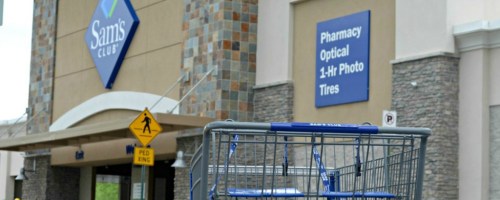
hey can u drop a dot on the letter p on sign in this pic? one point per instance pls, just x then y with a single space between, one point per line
389 118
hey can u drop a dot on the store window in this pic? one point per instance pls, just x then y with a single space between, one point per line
120 182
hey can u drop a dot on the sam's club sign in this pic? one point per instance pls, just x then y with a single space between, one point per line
342 60
109 35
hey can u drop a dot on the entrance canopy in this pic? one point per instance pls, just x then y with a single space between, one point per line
97 132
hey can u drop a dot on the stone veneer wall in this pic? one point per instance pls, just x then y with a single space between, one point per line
219 35
274 103
494 149
50 183
46 182
433 103
42 65
181 185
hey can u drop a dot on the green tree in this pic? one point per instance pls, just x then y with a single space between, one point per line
107 191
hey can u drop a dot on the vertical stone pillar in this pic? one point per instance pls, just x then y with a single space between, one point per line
219 35
274 102
45 182
432 103
42 66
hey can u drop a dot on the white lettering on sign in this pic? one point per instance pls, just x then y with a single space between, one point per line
354 32
330 71
325 124
342 69
327 55
342 60
329 89
106 39
346 68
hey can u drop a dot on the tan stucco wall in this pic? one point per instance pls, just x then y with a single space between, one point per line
151 64
306 15
109 153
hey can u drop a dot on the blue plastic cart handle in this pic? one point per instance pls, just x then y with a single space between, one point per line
323 127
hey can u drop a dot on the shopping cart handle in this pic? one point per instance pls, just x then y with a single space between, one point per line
323 127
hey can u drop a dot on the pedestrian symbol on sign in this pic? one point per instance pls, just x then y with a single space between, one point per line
147 120
145 127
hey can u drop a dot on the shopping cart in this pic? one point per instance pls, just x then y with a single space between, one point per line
242 160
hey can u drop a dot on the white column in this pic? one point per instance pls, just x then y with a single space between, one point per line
86 183
4 175
273 42
474 126
475 42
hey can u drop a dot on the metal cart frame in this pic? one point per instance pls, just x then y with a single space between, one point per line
403 169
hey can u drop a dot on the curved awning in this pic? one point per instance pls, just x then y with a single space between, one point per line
98 132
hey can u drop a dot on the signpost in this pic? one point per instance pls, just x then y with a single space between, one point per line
145 128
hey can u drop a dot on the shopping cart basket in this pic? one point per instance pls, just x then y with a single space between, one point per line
308 161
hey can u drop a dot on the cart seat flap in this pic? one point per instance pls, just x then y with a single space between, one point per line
277 192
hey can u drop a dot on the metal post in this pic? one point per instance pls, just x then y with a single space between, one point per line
143 172
420 170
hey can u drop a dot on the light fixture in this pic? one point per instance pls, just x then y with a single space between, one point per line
179 161
22 176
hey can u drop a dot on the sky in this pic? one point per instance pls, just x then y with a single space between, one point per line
15 57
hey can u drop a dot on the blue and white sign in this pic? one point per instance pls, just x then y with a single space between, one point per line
108 36
343 60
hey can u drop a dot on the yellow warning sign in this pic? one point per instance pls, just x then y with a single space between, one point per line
145 128
144 156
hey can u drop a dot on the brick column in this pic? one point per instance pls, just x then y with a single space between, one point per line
432 103
45 182
219 35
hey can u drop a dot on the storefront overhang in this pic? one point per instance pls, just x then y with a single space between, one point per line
98 132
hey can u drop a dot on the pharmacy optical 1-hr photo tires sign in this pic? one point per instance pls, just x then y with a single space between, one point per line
343 60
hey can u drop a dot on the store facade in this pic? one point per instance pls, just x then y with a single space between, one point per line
195 61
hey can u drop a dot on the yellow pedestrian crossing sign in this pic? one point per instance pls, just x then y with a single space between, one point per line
144 156
145 127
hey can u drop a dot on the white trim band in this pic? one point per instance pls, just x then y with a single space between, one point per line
477 35
111 101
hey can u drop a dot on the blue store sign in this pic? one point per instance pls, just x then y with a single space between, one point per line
108 36
343 60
